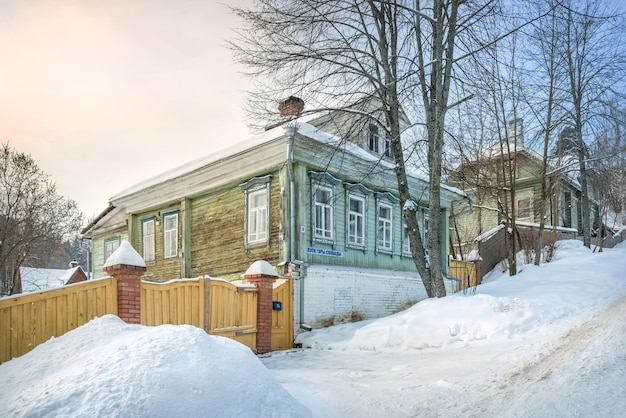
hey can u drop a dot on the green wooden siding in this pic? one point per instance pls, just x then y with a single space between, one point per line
369 257
217 242
161 269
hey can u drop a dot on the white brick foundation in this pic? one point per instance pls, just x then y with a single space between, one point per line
334 295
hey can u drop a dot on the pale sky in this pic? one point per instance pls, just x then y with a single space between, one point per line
106 93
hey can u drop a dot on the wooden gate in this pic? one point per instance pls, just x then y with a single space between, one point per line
282 320
232 312
176 302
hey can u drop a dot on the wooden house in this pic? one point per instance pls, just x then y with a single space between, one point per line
31 279
483 177
316 196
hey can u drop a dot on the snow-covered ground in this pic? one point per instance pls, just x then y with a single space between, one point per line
549 342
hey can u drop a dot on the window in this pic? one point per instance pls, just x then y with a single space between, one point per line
323 206
356 221
384 237
110 245
373 138
170 235
257 216
147 233
387 152
406 242
384 221
425 229
567 210
323 211
376 142
257 208
523 208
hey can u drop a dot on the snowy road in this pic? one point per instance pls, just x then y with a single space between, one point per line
581 374
573 367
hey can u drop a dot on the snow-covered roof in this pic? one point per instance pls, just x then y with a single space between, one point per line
326 138
488 234
554 164
204 161
36 280
304 129
69 273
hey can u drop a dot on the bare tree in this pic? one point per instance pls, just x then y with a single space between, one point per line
403 54
610 168
546 80
593 62
33 217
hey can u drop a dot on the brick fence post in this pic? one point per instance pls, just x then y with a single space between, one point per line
262 275
127 266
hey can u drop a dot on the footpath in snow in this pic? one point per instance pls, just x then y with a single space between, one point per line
549 342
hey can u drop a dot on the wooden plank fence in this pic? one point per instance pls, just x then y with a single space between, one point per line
31 319
176 302
466 272
231 311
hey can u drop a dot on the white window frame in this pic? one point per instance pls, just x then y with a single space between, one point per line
406 241
325 211
356 238
387 146
170 235
257 230
377 139
527 209
373 138
148 234
423 224
110 245
257 217
384 228
425 213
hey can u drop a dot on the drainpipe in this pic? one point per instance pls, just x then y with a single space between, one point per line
291 129
291 133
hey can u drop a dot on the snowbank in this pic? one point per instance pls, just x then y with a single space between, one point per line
108 368
505 308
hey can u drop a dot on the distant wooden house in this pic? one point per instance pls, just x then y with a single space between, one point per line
38 279
483 177
314 195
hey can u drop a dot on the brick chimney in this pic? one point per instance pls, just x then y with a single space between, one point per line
291 106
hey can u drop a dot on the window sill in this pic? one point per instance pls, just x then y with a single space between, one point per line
357 247
324 240
256 244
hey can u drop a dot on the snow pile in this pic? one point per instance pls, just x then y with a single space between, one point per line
125 254
504 308
108 368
